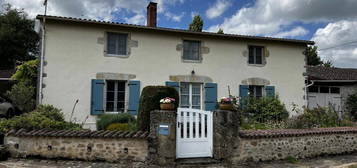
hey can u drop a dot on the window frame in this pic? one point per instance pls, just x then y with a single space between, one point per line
126 96
254 91
254 55
199 51
329 89
190 95
106 44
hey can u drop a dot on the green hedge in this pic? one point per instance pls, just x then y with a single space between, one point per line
107 119
150 100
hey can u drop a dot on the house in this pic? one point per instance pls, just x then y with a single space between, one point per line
330 86
105 65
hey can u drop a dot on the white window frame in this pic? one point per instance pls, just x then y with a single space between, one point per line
190 95
115 97
255 54
117 55
199 51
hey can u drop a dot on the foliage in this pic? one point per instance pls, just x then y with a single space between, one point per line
328 63
5 86
197 24
264 109
150 100
45 116
27 72
292 159
106 120
22 96
118 127
18 40
312 57
351 105
220 31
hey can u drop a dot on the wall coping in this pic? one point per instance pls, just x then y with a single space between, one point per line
78 133
252 134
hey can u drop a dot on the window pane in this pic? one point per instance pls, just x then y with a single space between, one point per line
324 89
196 107
110 106
121 86
184 100
196 100
191 50
121 96
335 90
117 43
122 42
313 89
184 88
251 55
196 88
111 43
259 91
251 91
120 106
110 85
258 55
110 96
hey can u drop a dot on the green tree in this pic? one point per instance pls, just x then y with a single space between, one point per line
313 58
220 31
197 24
18 40
328 63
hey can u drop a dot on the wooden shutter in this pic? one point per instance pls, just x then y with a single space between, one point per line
210 96
134 96
175 85
270 91
97 97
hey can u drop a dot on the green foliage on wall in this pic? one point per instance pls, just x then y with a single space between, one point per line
150 100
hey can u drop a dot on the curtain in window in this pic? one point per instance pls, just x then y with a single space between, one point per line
117 44
191 50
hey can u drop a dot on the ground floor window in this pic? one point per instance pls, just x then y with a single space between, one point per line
191 95
115 92
255 91
324 89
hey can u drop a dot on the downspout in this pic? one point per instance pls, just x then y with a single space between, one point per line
40 94
306 92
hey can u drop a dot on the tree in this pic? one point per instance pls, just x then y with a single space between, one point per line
197 24
314 59
18 40
220 31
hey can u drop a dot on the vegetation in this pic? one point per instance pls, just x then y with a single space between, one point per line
150 100
18 40
119 122
45 116
351 106
314 59
220 31
197 24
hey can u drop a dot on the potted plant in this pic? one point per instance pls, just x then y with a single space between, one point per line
227 103
167 103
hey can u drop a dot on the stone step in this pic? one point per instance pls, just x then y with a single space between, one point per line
197 161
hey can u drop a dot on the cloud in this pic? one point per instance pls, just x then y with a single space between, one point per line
194 13
269 17
173 17
137 19
335 43
217 9
297 31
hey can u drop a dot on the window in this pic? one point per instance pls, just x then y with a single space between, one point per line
191 95
255 91
117 44
191 50
115 96
314 89
335 90
256 55
324 89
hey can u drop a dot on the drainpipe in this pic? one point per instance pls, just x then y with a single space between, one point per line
306 92
40 95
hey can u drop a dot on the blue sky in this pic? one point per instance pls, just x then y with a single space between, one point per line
329 23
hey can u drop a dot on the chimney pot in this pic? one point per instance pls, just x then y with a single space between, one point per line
151 14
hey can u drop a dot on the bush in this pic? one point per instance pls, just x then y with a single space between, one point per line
45 116
118 127
150 100
105 120
264 109
22 96
351 105
27 72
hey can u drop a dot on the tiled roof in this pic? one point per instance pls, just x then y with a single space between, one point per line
162 29
79 133
326 73
295 132
7 73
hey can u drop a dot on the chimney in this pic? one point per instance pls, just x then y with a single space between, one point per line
151 14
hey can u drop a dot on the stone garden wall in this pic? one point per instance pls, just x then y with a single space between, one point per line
111 146
280 144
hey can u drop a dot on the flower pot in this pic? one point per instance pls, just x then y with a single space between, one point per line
226 106
167 106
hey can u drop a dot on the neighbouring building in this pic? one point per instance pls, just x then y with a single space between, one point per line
105 65
330 86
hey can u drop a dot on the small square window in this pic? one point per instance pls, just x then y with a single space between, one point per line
313 89
255 91
335 90
191 50
256 55
115 96
324 89
117 43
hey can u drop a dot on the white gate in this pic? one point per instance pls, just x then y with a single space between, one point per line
194 133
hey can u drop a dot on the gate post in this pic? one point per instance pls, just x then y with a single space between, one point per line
162 142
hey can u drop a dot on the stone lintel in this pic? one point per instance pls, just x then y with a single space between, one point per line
114 76
256 81
190 78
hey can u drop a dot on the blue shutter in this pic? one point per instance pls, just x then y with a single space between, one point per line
243 91
270 91
134 96
210 96
175 85
97 97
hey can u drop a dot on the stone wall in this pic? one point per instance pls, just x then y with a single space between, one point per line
95 145
279 144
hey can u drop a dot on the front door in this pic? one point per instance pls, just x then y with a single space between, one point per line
194 133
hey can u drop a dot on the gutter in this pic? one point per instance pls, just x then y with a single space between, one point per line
40 90
306 92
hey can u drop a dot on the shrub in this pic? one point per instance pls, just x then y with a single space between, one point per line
27 72
351 105
106 120
150 100
22 96
38 119
264 109
118 127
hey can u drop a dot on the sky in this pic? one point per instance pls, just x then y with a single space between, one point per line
330 23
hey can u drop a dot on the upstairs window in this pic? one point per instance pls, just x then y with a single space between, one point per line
115 96
256 55
191 50
117 43
255 91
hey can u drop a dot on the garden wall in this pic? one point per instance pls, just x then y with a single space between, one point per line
85 145
279 144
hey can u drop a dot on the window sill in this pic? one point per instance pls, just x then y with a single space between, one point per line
256 65
191 61
118 56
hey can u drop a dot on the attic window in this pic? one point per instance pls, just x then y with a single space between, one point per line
191 50
256 54
117 44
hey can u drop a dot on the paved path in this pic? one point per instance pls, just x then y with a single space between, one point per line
341 161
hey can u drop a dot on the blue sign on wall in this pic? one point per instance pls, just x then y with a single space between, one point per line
164 129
